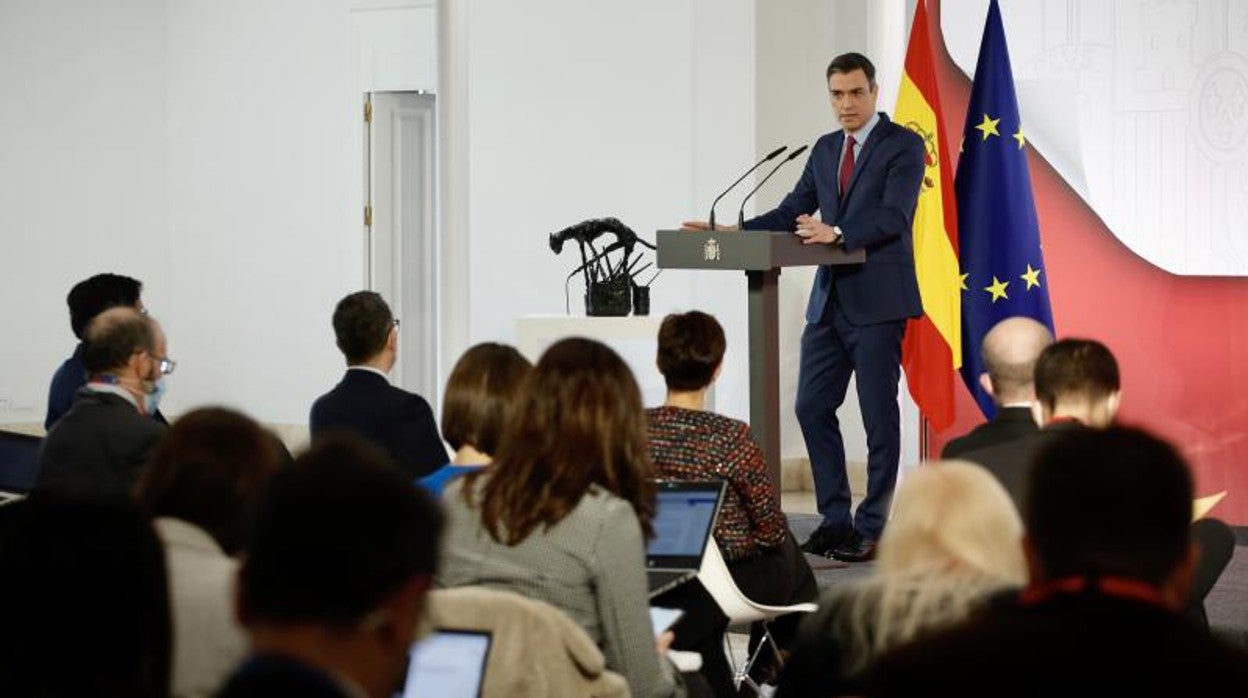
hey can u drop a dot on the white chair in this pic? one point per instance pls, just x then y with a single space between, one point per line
719 583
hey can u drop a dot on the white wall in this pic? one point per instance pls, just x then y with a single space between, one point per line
580 110
203 147
264 237
82 173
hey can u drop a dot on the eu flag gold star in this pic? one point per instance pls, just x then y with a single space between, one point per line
988 127
1032 277
997 289
1019 137
962 280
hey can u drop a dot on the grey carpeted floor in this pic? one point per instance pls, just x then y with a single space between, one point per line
1226 605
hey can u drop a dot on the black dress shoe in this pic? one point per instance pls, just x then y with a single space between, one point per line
823 541
856 548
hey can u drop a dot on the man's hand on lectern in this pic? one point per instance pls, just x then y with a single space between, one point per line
704 225
815 231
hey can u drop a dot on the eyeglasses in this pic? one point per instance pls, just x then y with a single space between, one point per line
395 323
166 365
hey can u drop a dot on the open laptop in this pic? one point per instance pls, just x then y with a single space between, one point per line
447 663
683 523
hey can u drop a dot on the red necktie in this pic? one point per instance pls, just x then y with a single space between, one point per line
847 164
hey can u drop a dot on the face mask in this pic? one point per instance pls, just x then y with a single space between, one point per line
152 395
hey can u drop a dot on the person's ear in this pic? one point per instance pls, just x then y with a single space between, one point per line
395 622
1178 585
1113 402
985 382
1035 567
719 368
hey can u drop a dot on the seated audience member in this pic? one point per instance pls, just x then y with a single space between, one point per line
200 487
953 541
1109 555
364 401
87 299
687 442
563 513
335 569
479 395
107 436
1078 387
86 610
1010 350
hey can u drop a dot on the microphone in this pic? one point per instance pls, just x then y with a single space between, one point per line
770 156
741 212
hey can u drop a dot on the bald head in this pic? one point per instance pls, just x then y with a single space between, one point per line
115 336
1010 350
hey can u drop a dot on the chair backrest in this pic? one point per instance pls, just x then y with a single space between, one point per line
536 650
719 583
19 461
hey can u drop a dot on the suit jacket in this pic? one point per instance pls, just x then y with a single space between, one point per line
1072 644
876 216
400 422
102 439
265 676
1010 423
1010 461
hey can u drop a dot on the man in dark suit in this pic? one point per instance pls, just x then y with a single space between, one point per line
106 436
1078 389
1110 562
1010 350
864 181
334 576
365 402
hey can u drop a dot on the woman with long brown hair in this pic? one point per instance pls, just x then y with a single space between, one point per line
563 513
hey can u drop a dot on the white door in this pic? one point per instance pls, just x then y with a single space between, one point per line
400 178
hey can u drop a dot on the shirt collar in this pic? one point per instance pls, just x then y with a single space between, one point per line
102 387
862 134
370 369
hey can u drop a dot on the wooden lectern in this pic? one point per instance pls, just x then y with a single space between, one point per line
761 255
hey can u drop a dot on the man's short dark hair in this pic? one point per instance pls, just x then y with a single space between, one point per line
362 323
1114 501
848 63
1075 368
691 347
93 296
110 340
335 534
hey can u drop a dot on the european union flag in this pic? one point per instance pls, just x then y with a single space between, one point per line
998 237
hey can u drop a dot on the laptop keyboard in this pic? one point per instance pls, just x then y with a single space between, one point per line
663 580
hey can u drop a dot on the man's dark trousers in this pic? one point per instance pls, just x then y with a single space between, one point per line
832 350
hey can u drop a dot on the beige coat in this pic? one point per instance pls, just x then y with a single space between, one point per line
207 644
535 649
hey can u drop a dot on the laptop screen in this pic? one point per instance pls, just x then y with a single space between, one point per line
448 663
683 523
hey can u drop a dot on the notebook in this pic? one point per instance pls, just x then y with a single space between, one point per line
448 664
683 523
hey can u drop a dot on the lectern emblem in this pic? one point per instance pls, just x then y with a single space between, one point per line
710 251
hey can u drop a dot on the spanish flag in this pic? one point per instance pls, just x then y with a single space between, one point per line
932 348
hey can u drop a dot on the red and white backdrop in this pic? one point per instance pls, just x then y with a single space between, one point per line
1136 113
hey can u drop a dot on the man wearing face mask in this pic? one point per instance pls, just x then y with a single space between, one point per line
105 438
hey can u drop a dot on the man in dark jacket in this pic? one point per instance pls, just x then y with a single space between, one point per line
106 436
365 402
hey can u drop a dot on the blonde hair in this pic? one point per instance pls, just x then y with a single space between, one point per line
953 539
